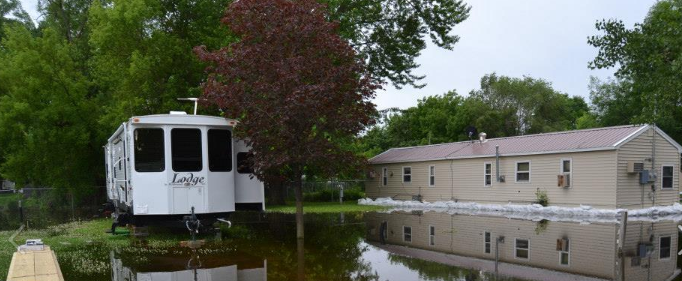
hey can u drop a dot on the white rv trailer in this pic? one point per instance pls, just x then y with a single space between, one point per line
160 167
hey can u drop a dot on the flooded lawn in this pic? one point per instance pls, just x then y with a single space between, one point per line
385 246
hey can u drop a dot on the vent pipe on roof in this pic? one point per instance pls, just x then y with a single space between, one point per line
481 137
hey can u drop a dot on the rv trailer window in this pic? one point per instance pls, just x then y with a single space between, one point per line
186 150
149 150
219 150
243 163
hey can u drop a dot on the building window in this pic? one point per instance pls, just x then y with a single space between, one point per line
565 253
219 150
384 176
522 171
407 234
566 169
432 175
432 235
487 241
487 174
664 247
244 163
522 249
186 150
149 151
407 174
667 177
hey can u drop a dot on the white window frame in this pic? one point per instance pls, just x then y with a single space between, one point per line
563 252
431 175
516 171
490 242
403 174
516 248
405 240
432 237
670 251
561 170
384 176
673 181
485 174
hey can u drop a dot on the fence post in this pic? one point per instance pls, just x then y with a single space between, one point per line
21 213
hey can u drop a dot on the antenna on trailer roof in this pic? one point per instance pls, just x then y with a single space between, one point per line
195 100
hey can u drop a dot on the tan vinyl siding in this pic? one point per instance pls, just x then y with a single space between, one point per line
592 246
593 180
629 194
641 232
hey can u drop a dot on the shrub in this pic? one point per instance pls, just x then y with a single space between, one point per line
542 198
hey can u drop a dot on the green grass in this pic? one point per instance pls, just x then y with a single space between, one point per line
323 207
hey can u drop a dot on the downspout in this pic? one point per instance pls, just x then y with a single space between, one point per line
497 163
452 180
653 166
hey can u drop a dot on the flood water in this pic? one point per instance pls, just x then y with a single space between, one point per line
394 246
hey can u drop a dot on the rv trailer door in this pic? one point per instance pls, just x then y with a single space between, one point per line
188 176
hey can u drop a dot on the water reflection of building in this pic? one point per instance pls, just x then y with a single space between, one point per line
182 269
574 248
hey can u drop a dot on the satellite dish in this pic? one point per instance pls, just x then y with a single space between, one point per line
472 132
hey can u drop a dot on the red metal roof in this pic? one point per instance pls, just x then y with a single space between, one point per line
557 142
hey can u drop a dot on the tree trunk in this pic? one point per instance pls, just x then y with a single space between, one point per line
300 251
299 208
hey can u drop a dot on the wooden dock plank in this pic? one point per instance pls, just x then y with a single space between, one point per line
35 265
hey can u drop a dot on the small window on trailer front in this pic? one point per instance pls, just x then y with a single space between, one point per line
244 165
432 175
565 252
432 235
149 150
186 150
219 150
487 242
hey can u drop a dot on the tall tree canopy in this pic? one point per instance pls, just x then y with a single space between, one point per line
297 88
648 59
11 12
503 106
390 34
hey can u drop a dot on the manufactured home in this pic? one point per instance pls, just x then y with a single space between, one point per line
537 250
164 167
632 167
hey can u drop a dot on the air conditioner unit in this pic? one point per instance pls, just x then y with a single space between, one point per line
564 180
502 178
562 245
635 167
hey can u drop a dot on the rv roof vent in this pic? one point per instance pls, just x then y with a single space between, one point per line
178 113
482 136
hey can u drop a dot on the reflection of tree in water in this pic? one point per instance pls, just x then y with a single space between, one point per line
333 247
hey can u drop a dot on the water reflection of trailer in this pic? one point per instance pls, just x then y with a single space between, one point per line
159 167
178 269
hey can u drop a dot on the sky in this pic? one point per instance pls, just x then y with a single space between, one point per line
537 38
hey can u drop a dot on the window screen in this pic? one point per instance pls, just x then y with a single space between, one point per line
219 150
667 177
523 171
149 150
664 247
244 163
186 150
522 247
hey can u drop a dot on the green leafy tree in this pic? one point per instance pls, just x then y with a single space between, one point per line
47 114
648 59
11 12
390 34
